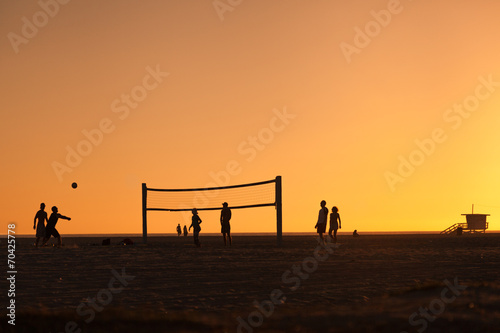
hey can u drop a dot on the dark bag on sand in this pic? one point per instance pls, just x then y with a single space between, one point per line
107 241
127 241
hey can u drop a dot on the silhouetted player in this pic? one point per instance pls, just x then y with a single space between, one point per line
195 224
185 231
335 223
50 229
41 216
322 219
225 216
179 229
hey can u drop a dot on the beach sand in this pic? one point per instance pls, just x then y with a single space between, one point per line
374 283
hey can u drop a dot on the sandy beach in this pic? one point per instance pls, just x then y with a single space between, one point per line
374 283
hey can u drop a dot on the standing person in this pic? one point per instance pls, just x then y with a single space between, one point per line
179 229
185 231
50 229
322 219
334 224
225 216
41 216
195 224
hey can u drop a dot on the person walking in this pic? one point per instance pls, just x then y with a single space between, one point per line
195 224
322 219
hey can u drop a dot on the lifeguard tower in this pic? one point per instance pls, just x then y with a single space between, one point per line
476 223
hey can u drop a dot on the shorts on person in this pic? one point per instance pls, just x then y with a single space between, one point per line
334 226
40 230
225 227
51 231
321 228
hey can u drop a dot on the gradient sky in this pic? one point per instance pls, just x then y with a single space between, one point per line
357 104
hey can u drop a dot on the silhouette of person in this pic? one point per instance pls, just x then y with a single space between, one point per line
322 219
179 229
195 224
355 234
41 216
334 224
50 229
225 216
185 231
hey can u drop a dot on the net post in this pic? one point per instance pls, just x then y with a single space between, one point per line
279 220
144 213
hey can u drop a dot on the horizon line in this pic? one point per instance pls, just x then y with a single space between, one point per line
291 233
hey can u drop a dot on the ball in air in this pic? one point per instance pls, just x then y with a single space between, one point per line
74 185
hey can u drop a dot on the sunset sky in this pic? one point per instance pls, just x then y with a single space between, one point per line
388 110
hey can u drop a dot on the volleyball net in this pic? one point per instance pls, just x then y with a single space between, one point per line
243 196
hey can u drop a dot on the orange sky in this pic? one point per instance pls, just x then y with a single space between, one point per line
389 109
